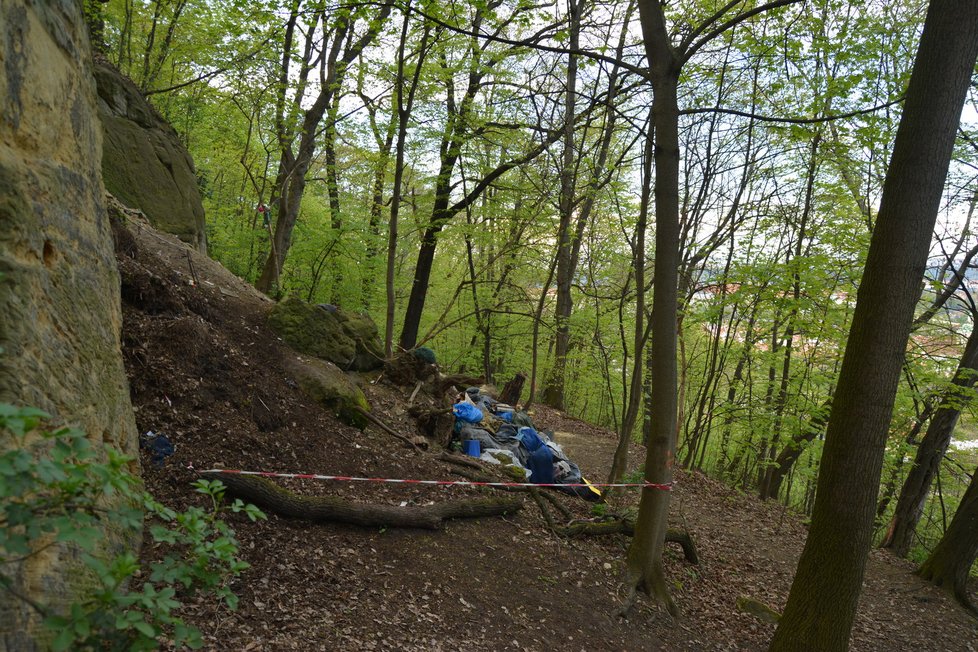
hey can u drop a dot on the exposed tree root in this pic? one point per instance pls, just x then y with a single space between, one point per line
628 527
541 503
511 392
435 424
271 497
386 428
461 460
652 585
461 381
957 589
592 528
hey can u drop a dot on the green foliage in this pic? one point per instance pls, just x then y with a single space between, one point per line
56 489
634 477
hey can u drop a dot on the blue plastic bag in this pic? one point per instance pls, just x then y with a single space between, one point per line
467 412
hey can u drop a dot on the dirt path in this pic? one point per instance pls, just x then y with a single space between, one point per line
749 548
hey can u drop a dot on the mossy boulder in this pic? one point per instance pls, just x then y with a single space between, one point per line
327 385
350 341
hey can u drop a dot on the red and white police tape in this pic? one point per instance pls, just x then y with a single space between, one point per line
444 483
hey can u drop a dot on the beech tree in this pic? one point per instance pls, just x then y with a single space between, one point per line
666 60
822 603
461 106
949 564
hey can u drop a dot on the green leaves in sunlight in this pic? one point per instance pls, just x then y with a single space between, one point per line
57 489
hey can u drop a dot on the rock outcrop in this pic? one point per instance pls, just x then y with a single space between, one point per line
144 164
348 340
324 383
59 287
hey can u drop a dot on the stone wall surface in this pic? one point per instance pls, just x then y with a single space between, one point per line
144 164
59 286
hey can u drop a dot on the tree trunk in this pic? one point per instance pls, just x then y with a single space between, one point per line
949 565
553 391
511 392
765 489
822 603
620 460
295 158
645 571
403 113
930 452
791 452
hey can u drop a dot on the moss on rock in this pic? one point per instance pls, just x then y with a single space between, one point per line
327 385
347 340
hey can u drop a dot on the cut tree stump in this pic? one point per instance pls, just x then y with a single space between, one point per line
513 389
278 500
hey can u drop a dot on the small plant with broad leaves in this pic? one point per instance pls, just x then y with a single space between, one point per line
56 489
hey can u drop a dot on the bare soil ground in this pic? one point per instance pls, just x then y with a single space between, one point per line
206 371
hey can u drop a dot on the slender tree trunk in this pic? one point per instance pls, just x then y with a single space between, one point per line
792 451
295 158
645 571
537 319
403 113
620 461
931 450
822 603
368 280
766 490
553 391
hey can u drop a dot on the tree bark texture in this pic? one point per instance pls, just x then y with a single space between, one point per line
822 603
268 495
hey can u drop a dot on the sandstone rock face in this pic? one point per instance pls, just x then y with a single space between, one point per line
144 164
350 341
59 287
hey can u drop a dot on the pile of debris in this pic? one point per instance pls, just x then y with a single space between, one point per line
499 434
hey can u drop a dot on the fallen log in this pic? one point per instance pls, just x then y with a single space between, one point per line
278 500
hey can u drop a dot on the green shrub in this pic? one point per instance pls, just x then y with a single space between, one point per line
55 488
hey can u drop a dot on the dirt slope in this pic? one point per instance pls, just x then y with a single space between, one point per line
205 371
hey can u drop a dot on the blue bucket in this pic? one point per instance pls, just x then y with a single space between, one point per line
472 447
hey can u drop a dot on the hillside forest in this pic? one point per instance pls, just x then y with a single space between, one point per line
739 232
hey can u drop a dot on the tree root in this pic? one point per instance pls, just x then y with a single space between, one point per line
598 528
268 495
589 528
652 585
461 460
386 428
